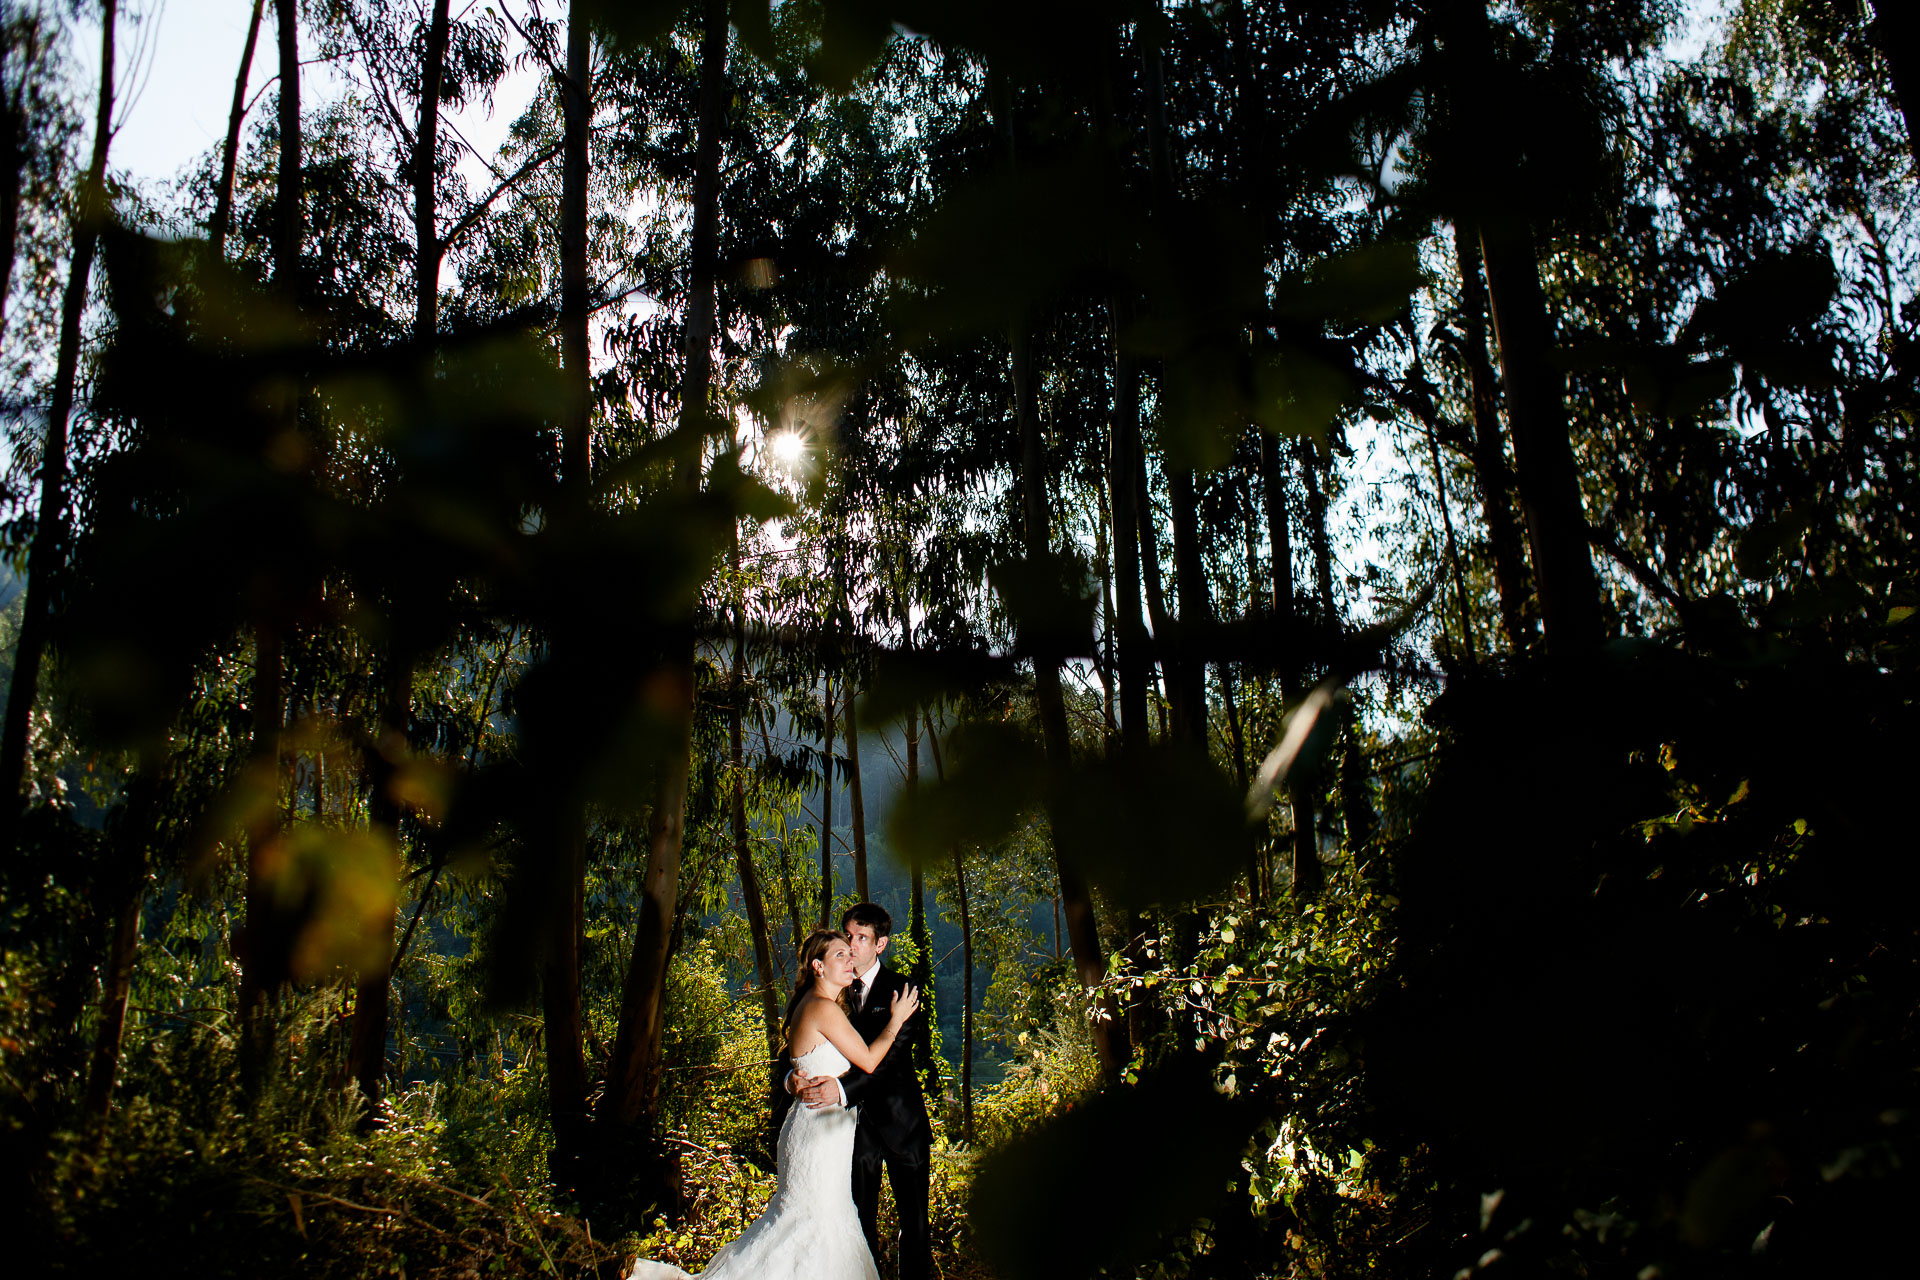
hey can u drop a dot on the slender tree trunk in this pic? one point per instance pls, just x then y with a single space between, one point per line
426 144
633 1083
1305 862
1187 682
560 973
47 560
826 812
1082 926
372 999
917 927
1123 466
742 849
786 866
1056 738
1132 661
1109 673
1234 734
264 961
16 133
1355 806
1308 876
966 997
1549 483
262 954
289 234
1897 32
372 1008
1239 740
127 891
1489 454
858 809
117 982
230 152
560 1009
1150 563
1542 444
1470 645
1185 671
319 768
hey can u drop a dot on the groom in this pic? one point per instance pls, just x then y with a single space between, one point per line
893 1129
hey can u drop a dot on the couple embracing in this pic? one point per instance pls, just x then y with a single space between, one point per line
848 1064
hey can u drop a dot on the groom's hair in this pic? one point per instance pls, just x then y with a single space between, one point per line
870 914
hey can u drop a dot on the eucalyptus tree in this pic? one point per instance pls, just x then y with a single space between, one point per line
222 218
35 122
434 61
47 559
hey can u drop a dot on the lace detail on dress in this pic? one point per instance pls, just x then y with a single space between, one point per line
809 1229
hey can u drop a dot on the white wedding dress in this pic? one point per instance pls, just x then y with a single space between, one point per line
810 1229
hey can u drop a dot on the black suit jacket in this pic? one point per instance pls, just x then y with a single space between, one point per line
893 1112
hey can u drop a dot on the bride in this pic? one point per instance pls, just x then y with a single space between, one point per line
810 1229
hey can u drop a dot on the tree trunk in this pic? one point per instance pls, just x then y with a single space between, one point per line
1469 645
16 134
917 928
742 849
1185 672
560 973
1308 876
1131 661
826 811
1187 677
1896 29
1489 454
1123 468
368 1050
633 1083
966 997
372 999
1542 446
230 152
1107 653
288 231
786 866
426 143
858 810
47 560
263 965
127 889
1549 484
1082 925
1150 570
1306 842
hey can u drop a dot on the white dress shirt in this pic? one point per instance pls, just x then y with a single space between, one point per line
866 984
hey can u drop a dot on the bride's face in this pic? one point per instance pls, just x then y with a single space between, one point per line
836 966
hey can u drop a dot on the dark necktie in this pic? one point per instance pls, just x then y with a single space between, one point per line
858 989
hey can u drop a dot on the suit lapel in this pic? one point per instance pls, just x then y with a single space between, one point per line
878 1007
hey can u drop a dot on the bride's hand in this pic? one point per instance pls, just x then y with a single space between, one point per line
905 1001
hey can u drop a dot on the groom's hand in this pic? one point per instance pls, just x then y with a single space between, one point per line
816 1091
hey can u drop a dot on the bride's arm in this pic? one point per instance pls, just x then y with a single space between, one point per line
868 1057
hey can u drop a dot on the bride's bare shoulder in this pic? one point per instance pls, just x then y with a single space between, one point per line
810 1022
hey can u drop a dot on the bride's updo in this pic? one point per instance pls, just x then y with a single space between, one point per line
814 948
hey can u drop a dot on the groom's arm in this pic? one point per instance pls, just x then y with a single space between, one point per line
856 1083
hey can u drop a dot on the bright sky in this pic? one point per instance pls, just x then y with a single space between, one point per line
177 63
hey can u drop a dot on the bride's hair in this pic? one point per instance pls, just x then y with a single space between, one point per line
814 948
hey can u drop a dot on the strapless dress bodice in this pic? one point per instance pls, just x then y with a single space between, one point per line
822 1060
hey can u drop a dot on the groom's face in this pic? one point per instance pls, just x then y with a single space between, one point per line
865 946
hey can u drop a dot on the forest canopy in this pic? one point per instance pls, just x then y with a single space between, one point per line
1344 569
